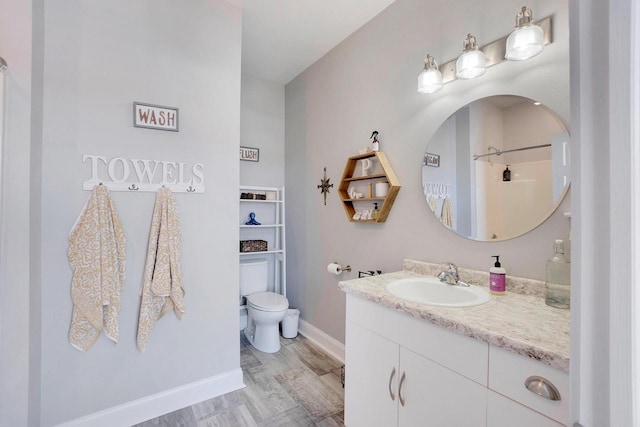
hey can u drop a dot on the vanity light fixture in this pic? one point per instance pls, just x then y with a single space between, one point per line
430 79
472 63
527 40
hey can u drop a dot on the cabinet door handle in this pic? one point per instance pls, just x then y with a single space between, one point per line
393 374
400 398
542 387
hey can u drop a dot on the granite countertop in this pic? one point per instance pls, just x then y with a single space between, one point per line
518 321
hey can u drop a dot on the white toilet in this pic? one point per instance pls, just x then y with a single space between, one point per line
265 309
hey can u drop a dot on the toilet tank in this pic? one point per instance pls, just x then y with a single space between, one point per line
253 276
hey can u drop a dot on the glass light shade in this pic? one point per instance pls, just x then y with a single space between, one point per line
524 42
429 81
471 64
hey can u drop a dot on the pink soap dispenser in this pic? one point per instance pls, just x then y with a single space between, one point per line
497 276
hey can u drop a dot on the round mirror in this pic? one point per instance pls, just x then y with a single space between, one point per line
497 168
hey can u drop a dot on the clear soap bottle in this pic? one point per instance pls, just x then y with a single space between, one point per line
558 282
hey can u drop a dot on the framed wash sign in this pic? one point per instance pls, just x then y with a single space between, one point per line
249 154
151 116
432 160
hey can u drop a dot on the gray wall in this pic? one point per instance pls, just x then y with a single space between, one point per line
369 82
262 127
99 58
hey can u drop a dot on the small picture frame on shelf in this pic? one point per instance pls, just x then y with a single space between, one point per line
432 160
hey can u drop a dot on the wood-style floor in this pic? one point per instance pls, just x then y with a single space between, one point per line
297 386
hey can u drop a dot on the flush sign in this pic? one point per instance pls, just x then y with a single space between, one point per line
249 154
155 117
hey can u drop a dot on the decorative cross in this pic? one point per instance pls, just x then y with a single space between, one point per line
324 186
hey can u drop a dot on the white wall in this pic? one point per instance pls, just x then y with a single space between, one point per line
538 128
99 58
15 292
488 122
369 82
527 198
604 85
262 127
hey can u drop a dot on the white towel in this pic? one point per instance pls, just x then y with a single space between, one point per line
432 203
162 289
97 256
447 213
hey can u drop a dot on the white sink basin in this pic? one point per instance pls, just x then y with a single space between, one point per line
431 291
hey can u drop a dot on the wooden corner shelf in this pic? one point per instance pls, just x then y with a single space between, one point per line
387 175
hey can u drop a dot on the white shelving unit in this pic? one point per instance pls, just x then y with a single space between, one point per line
270 214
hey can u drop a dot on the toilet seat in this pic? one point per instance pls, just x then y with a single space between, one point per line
267 301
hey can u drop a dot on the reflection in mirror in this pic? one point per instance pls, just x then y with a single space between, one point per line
497 168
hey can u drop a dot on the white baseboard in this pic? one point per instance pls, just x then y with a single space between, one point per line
329 344
153 406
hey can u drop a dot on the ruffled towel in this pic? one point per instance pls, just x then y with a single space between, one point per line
447 213
97 256
162 289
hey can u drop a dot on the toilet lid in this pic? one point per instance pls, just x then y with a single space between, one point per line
268 301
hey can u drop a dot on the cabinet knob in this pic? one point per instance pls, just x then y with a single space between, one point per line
542 387
393 374
400 389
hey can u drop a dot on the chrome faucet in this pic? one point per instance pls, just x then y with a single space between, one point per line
450 275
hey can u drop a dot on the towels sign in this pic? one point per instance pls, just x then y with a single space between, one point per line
121 174
440 190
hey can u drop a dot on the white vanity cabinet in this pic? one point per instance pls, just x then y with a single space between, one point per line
397 373
508 373
371 378
504 412
436 396
402 371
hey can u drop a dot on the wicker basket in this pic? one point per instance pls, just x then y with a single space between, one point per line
253 245
252 196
